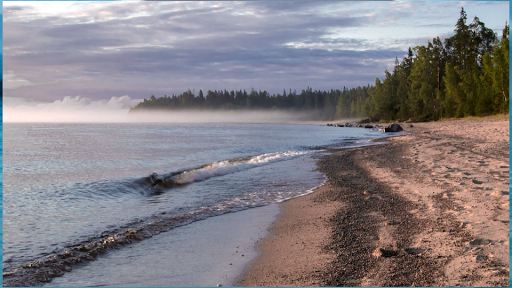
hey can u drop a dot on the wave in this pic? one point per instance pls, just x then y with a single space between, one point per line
177 179
155 184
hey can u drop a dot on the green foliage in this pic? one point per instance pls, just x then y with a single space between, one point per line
466 75
329 105
452 91
500 60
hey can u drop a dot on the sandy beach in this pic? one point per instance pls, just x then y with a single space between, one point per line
429 208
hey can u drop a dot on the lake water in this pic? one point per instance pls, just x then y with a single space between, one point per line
68 187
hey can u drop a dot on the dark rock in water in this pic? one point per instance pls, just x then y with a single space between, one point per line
155 179
368 126
329 124
393 128
348 125
410 126
340 125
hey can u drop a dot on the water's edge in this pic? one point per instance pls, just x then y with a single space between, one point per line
205 253
45 269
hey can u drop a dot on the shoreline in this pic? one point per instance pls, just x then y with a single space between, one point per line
204 253
429 208
275 252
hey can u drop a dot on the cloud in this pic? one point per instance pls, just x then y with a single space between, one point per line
12 81
99 49
69 109
13 9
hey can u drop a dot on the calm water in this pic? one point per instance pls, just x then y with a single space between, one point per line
67 184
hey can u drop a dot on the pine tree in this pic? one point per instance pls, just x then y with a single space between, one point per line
453 97
501 72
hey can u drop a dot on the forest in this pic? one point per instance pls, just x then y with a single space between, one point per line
464 75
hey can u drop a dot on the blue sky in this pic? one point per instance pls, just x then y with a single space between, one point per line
103 49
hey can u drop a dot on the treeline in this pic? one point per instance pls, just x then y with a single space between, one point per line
329 105
464 75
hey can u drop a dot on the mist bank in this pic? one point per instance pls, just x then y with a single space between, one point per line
310 104
31 115
79 109
223 116
69 109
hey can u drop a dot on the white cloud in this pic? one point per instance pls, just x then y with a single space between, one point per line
69 109
13 81
103 48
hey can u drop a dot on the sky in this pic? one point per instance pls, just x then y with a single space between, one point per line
96 53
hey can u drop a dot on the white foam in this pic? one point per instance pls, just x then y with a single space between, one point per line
229 167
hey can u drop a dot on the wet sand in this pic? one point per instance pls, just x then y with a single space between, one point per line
430 208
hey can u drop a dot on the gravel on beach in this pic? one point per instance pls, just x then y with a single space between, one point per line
429 208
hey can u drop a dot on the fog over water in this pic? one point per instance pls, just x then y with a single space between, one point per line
116 110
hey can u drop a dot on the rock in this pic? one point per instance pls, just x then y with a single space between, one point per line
481 258
414 251
379 252
410 126
348 125
479 242
393 128
389 253
368 126
155 179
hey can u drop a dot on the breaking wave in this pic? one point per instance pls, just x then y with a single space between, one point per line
184 177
